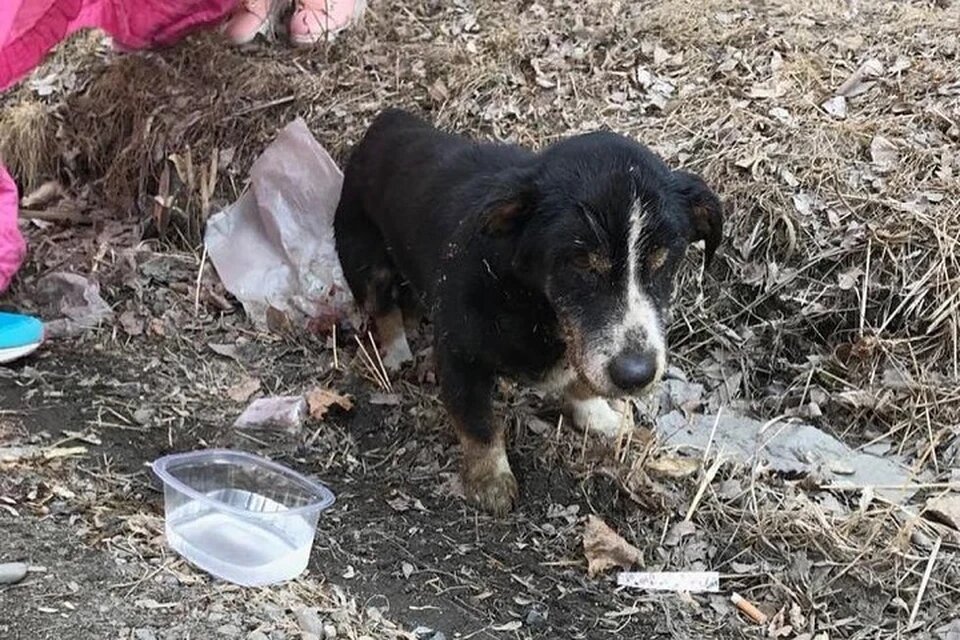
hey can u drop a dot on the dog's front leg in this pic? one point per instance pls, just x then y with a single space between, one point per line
466 390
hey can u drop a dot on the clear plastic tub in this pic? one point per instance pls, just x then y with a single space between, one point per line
240 517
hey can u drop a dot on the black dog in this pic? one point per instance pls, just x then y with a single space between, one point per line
554 267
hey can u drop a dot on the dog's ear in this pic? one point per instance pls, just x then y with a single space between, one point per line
508 205
704 210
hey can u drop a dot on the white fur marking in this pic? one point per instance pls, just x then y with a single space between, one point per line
597 416
640 311
396 349
502 463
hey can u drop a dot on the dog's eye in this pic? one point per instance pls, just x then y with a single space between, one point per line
590 261
581 260
657 258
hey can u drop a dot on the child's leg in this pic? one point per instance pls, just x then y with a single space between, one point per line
12 247
19 335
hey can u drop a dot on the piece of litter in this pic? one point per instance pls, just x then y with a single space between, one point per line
70 304
690 581
274 246
604 548
787 447
884 154
285 412
748 609
12 572
28 452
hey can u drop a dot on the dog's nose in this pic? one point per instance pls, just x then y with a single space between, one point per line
632 371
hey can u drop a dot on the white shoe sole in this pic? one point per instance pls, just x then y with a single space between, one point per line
13 353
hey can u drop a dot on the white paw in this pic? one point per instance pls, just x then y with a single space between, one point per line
396 354
597 416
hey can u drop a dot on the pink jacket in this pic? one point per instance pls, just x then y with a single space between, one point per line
29 29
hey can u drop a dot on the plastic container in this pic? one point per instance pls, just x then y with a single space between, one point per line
240 517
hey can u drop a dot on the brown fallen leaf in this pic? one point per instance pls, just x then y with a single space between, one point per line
945 510
242 391
884 154
131 324
604 548
673 467
320 400
45 194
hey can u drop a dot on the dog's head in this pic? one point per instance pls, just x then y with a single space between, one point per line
599 225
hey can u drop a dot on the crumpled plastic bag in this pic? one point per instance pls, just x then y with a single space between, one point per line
789 448
283 412
70 304
274 247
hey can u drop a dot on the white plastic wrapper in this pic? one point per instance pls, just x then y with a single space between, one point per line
274 246
689 581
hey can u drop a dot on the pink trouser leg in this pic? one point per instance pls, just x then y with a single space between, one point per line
12 246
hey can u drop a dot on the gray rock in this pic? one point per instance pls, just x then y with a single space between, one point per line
229 630
309 621
535 617
144 634
12 572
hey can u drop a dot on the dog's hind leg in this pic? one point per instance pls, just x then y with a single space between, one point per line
371 275
393 339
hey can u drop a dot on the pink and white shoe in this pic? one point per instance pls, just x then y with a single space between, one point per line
315 21
252 17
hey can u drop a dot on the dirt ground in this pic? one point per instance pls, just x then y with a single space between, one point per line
829 129
398 540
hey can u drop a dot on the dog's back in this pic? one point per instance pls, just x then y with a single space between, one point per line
415 184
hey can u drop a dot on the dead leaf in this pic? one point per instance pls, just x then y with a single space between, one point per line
242 391
45 194
848 279
225 350
384 399
673 467
157 327
857 83
884 154
131 324
401 502
945 510
772 88
836 106
902 63
278 322
604 548
320 400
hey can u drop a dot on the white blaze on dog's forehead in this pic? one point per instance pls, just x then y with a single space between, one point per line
640 311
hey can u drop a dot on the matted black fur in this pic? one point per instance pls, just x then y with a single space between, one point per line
527 264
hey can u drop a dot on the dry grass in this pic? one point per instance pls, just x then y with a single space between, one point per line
26 133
